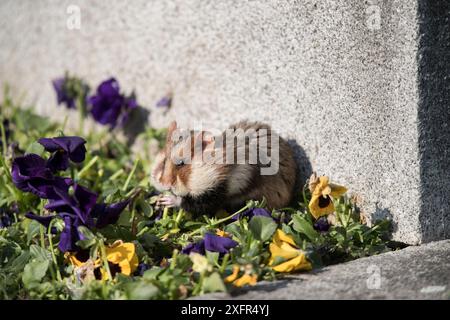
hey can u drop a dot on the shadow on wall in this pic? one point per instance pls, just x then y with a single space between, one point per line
138 120
304 168
434 118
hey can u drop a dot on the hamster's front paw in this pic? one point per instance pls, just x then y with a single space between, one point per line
169 201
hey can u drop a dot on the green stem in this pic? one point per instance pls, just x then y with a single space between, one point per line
50 241
145 229
2 130
105 260
87 167
198 287
221 220
42 236
173 263
224 263
127 182
116 175
165 213
82 116
180 215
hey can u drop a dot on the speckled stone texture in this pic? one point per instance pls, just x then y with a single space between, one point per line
367 106
412 273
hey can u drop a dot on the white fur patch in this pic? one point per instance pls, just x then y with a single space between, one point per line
203 177
239 179
180 189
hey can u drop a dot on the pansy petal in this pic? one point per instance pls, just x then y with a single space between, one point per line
58 161
337 190
44 220
233 275
280 236
298 263
69 236
284 251
108 214
318 211
215 243
109 88
48 144
246 279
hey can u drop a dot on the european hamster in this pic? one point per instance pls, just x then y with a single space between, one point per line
202 187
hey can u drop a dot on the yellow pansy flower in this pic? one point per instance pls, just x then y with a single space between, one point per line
284 246
323 193
121 257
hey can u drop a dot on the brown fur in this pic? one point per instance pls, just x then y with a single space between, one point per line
242 182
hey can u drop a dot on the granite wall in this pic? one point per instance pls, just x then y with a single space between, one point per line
361 88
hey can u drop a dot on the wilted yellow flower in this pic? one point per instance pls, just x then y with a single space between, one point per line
247 278
234 275
283 246
200 263
77 259
323 193
222 233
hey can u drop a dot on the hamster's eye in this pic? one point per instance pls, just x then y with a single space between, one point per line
179 162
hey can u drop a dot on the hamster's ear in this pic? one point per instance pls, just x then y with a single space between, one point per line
172 127
206 138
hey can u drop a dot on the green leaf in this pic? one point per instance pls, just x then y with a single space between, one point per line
33 230
84 244
213 257
142 291
40 253
35 148
34 272
87 234
262 228
213 283
303 226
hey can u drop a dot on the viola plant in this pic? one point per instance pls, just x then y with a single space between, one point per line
79 217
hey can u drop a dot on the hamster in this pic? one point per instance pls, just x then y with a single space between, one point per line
204 187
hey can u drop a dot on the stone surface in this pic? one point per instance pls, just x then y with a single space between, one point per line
363 97
421 272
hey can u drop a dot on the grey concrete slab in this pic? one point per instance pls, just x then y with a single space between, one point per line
361 88
420 272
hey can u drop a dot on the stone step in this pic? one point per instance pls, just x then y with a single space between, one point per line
416 272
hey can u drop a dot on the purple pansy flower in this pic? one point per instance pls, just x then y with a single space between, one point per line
211 242
108 213
252 212
165 101
30 174
63 149
109 106
5 218
198 247
69 89
80 204
62 93
141 268
70 234
78 210
322 224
